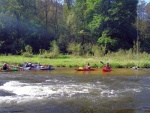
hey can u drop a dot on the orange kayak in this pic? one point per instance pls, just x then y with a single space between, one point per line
85 69
106 69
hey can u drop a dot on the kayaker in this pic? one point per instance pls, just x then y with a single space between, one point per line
88 66
107 66
27 64
5 66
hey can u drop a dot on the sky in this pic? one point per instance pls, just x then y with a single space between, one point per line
147 1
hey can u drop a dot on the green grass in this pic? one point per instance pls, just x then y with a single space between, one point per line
116 60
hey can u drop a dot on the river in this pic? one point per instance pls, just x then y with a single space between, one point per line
65 90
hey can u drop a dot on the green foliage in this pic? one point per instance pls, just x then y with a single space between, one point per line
28 52
136 47
145 65
53 53
74 48
95 23
44 55
118 59
63 56
28 49
63 42
85 22
106 41
42 51
144 26
54 50
129 65
96 50
116 65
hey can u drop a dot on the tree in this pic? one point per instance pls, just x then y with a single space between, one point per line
17 22
143 24
24 23
114 17
106 41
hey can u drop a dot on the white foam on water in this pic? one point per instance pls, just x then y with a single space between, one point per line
28 92
18 100
35 90
109 93
27 89
120 92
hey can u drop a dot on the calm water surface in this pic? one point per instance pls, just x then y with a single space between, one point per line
70 91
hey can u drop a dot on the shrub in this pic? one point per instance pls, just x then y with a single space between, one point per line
42 51
99 50
74 48
44 55
129 65
28 49
54 50
145 65
116 65
27 54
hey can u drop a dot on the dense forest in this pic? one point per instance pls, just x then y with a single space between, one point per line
73 26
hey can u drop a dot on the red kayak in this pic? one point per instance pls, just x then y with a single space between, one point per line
106 69
85 69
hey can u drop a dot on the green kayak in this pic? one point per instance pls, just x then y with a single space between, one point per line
12 69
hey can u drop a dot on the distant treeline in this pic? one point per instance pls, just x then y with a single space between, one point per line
73 26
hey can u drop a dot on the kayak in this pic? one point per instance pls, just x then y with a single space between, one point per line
24 68
27 68
47 68
106 69
12 69
85 69
36 67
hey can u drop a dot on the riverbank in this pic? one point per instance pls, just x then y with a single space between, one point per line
116 60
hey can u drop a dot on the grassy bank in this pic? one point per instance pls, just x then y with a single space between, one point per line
117 60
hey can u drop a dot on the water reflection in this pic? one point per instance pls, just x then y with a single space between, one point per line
83 72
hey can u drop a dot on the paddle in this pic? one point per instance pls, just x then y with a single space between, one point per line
107 67
102 62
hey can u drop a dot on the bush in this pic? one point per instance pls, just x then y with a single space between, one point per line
53 53
74 48
145 65
98 50
44 55
27 54
42 51
129 65
28 49
116 65
54 50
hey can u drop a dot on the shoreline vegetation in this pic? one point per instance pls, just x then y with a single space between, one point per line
116 60
72 33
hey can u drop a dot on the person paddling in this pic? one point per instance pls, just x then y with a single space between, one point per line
88 66
107 66
5 66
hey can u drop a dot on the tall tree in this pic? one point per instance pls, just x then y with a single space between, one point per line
13 8
114 18
143 24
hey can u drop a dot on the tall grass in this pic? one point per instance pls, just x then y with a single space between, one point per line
120 59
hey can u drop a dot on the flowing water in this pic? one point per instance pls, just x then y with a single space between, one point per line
70 91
